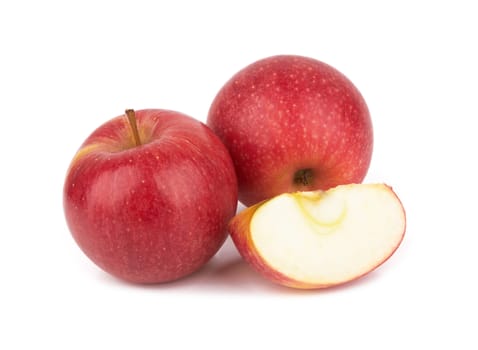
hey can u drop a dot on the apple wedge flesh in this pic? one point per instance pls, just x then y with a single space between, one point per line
320 239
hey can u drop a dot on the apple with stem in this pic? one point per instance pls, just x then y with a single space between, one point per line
319 239
292 123
148 196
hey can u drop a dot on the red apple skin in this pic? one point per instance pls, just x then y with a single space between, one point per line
241 236
284 114
155 212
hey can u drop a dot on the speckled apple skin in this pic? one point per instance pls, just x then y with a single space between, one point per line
156 212
286 113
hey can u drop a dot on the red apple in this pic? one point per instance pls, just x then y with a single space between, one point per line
148 200
292 123
319 239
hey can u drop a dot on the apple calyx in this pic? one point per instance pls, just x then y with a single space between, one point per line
303 177
130 114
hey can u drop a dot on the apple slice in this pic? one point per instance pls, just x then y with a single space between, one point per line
320 239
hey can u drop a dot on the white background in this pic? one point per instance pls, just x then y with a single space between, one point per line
67 67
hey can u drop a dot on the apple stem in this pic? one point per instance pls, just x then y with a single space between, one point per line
134 126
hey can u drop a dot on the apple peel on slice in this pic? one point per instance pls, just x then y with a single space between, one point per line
319 239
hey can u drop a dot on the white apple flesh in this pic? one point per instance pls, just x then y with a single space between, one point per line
321 238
